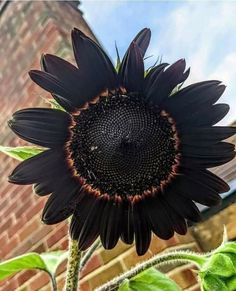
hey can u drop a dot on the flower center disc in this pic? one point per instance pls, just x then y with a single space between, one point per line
121 145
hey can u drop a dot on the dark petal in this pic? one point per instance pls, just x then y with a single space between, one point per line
207 162
61 69
53 85
196 191
183 206
159 217
152 76
142 229
90 227
95 66
166 81
69 78
65 103
81 213
206 116
42 167
213 151
127 225
131 71
205 136
110 223
62 202
205 177
142 39
42 126
179 223
42 189
193 97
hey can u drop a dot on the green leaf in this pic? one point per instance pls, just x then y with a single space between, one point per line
211 283
47 262
149 280
229 247
231 283
220 265
53 260
21 153
54 104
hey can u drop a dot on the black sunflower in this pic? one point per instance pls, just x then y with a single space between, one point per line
130 153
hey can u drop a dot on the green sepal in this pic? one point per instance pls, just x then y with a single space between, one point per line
21 153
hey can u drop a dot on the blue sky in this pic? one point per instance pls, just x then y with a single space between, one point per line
202 32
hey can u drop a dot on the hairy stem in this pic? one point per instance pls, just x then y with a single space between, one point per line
72 276
89 254
171 257
53 282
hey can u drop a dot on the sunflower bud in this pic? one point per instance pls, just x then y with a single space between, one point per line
219 271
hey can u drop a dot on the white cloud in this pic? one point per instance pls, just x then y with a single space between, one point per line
203 33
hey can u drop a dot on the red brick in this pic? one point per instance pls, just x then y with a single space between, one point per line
84 287
24 276
40 280
41 233
24 206
32 211
28 229
93 263
16 227
7 249
59 234
6 224
10 285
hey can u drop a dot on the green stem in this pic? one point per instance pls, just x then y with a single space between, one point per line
53 282
89 254
72 276
171 257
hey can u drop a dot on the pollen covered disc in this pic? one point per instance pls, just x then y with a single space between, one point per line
121 145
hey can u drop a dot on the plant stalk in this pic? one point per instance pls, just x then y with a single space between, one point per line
73 265
171 257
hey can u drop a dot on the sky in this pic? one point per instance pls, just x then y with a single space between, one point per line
202 32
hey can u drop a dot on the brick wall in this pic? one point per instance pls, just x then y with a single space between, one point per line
27 30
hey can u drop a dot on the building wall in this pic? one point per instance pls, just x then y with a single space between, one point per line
28 29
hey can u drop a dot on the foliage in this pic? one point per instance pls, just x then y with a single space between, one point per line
149 280
47 262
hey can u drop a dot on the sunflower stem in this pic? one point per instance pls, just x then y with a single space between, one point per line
73 266
157 260
53 282
89 254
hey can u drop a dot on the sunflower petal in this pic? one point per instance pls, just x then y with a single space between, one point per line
80 214
159 218
90 227
204 117
93 63
33 169
166 81
131 71
142 231
127 230
62 202
193 97
205 136
152 76
196 191
205 177
142 39
183 206
214 151
110 224
42 126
